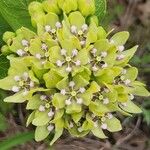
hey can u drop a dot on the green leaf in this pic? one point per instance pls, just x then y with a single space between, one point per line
15 12
3 28
15 140
4 66
41 133
4 107
146 114
100 8
3 124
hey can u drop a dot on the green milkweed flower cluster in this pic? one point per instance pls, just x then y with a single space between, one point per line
70 73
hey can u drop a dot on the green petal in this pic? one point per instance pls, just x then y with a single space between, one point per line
59 100
120 38
98 109
76 22
140 90
88 123
113 125
5 85
86 96
63 84
30 118
101 33
32 77
41 118
110 59
35 47
55 54
58 115
80 82
59 125
74 132
102 45
34 102
98 132
77 116
92 34
57 135
27 34
94 87
131 107
112 95
39 70
131 74
41 133
86 73
83 56
51 79
18 69
16 98
73 108
128 55
105 75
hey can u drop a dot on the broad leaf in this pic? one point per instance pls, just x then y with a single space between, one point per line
4 66
100 8
15 12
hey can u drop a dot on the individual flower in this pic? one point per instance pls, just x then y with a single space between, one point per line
102 55
19 42
21 81
67 58
86 33
73 94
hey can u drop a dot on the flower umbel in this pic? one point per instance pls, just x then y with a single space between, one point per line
70 73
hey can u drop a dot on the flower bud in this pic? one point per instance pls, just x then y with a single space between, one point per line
86 7
68 5
94 19
7 36
5 50
35 7
51 6
36 11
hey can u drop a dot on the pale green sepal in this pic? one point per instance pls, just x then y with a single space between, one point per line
16 98
77 116
120 38
41 118
113 125
41 133
30 118
7 83
59 125
59 100
98 132
139 90
52 78
34 102
128 54
131 107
